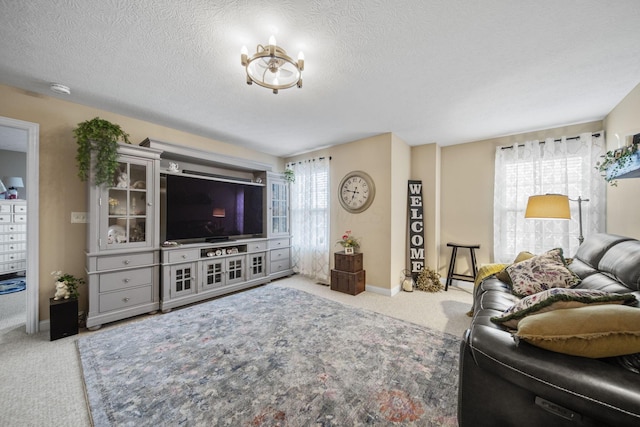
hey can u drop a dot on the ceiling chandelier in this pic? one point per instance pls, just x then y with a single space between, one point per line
272 68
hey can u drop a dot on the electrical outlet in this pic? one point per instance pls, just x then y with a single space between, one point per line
78 217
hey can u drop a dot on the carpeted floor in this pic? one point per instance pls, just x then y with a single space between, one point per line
271 356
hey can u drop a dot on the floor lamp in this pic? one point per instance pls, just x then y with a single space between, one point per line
554 206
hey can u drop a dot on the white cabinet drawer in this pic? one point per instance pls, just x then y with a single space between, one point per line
257 246
5 208
183 255
13 238
126 279
20 218
13 265
280 254
277 266
124 261
278 243
125 299
13 228
5 217
13 256
12 246
20 208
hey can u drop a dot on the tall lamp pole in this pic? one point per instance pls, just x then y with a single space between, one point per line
580 200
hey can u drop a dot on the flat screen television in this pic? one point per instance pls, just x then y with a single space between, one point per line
204 209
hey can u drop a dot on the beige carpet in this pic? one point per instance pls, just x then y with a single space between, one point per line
41 383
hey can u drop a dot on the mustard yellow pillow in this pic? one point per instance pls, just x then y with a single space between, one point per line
556 299
504 276
590 331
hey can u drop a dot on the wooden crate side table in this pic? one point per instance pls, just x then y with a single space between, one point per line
63 318
348 276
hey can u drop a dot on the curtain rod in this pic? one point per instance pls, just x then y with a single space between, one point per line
555 140
308 160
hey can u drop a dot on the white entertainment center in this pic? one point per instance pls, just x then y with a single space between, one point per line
132 269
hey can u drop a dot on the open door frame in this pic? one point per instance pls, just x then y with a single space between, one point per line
33 226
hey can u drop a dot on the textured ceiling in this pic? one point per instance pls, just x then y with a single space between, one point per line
442 71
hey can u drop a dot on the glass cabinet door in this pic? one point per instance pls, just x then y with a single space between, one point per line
128 204
279 207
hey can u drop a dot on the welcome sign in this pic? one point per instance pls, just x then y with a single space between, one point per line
416 228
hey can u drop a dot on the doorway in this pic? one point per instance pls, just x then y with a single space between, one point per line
18 133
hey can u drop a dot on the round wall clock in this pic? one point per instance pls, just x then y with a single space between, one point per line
356 191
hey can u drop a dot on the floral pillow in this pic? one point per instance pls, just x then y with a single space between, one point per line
557 298
540 273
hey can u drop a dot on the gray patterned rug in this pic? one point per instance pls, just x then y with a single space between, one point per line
271 356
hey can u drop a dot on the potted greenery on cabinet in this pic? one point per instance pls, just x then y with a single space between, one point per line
98 144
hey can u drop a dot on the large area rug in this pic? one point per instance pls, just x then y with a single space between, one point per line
271 356
12 285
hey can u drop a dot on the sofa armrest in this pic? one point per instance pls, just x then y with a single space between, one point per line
591 387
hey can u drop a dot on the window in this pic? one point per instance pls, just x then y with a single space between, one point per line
565 166
310 219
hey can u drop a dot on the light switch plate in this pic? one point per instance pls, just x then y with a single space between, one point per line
78 217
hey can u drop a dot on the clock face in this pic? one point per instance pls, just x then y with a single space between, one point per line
356 191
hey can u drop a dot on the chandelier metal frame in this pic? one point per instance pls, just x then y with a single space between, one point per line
275 63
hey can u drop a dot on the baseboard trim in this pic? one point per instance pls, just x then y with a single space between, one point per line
44 325
383 291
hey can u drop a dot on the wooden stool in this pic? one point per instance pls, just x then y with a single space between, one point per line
452 265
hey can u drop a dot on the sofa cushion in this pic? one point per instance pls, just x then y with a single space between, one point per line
554 299
541 272
595 246
591 331
621 262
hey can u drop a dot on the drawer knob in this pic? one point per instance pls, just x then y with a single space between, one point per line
125 280
126 262
184 256
126 299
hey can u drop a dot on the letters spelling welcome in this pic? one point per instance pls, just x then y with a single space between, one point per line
416 227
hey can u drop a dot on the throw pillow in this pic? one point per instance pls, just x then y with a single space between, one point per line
540 273
504 276
557 298
591 331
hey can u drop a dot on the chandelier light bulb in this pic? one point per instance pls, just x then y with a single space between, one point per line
272 41
301 61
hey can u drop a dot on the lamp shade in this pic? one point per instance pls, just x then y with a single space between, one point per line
2 187
549 206
13 182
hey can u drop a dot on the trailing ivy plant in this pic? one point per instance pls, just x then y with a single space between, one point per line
289 175
98 143
614 161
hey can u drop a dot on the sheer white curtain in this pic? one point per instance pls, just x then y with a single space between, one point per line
564 167
310 219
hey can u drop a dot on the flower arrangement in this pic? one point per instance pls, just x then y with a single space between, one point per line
348 241
66 285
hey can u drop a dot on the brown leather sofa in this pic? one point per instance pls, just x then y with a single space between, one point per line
507 384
